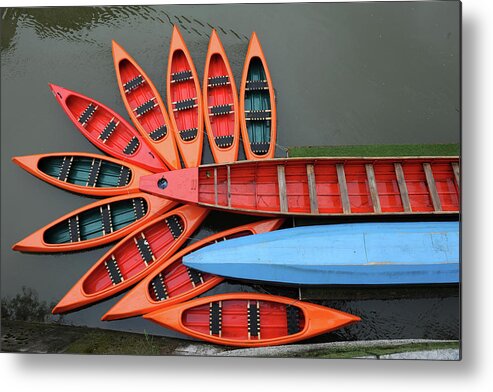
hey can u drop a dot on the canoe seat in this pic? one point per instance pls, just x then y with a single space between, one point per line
257 115
132 146
216 81
252 85
253 319
189 134
185 104
124 176
181 76
158 133
221 110
260 148
140 208
65 168
159 288
87 114
108 130
293 319
145 107
92 179
74 229
195 277
175 226
215 318
144 249
133 84
224 141
113 270
106 219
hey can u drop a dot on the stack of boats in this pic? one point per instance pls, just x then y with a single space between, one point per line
157 194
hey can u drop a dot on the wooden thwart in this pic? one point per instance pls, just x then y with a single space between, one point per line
341 178
372 183
430 180
312 188
402 187
215 185
229 185
283 198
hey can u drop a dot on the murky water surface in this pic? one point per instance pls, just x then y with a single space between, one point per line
344 73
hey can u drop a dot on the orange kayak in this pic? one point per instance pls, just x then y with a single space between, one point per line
95 224
257 105
145 107
84 173
173 282
185 101
250 319
220 103
106 129
137 255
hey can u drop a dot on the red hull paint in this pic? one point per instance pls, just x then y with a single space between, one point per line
250 319
187 119
140 253
176 280
154 122
36 241
123 143
30 163
223 130
318 186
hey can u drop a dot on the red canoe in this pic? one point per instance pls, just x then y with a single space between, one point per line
95 224
107 130
137 255
145 107
185 101
220 103
250 319
173 282
84 173
318 186
258 116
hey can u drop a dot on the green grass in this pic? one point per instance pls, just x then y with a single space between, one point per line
376 150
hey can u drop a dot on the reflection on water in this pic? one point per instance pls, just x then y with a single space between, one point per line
344 74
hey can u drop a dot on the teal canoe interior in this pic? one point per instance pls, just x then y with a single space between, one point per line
110 175
259 131
90 223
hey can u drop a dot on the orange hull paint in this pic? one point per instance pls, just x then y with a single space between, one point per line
318 186
279 320
126 69
220 127
177 280
106 129
30 163
255 51
186 122
36 241
137 255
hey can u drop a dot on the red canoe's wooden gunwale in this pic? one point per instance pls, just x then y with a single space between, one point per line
173 282
319 186
106 129
185 101
140 253
255 52
145 107
129 174
250 319
220 103
145 207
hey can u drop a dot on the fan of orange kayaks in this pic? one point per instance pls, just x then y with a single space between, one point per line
185 101
95 224
84 173
250 319
106 129
137 255
220 103
173 282
257 105
145 107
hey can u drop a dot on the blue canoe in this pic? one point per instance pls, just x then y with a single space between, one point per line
347 254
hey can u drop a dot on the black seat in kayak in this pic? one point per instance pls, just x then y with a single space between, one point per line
87 114
221 110
132 146
216 81
252 85
260 148
108 130
189 134
257 115
113 270
185 104
133 84
158 133
145 107
215 318
181 76
159 288
144 249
